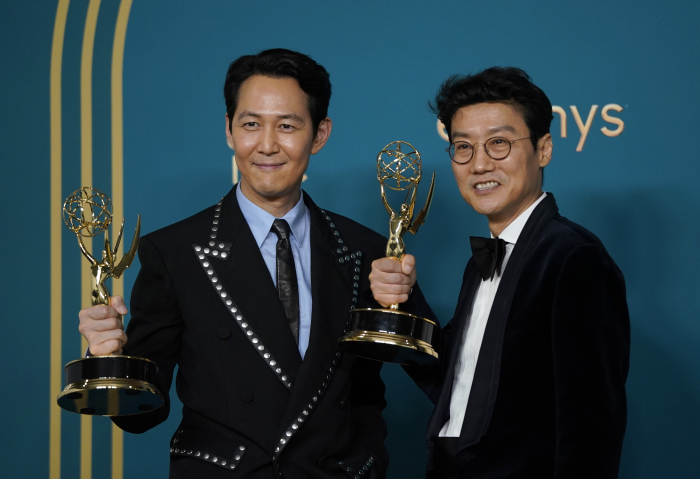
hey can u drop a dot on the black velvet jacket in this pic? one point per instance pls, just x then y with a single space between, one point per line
548 398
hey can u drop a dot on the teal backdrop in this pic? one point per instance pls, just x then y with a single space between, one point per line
628 71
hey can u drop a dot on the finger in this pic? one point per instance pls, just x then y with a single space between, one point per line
108 342
387 300
117 302
386 265
101 311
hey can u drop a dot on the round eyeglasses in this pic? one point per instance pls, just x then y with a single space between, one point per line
497 148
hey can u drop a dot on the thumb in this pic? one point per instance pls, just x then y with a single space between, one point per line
408 263
117 302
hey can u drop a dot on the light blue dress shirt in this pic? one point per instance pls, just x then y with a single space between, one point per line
299 219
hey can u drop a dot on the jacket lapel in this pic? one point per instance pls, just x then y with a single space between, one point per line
460 321
332 292
245 278
482 398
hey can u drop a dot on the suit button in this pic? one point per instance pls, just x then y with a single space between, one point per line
247 396
224 333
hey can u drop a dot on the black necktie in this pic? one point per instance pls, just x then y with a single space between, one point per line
488 254
287 276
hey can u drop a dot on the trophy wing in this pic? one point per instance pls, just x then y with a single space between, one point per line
129 257
422 214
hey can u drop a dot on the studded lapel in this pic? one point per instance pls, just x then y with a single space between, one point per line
248 295
333 290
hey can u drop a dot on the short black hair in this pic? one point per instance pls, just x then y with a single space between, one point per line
508 85
313 79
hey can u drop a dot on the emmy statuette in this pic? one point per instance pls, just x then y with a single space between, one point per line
391 335
112 385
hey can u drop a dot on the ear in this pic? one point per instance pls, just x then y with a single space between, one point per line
229 135
544 148
322 135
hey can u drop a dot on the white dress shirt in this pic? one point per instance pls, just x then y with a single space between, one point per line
474 332
299 219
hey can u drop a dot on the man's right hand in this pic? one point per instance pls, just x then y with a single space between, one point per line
103 328
391 281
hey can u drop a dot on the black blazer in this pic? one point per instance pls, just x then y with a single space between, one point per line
204 300
548 397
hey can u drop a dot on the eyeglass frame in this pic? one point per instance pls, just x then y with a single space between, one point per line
510 148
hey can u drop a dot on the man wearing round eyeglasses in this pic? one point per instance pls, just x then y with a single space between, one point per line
531 380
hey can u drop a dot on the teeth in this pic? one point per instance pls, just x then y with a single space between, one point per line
486 186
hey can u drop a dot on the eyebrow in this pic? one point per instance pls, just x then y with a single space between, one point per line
287 116
495 129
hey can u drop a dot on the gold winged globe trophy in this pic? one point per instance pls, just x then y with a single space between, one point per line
112 385
391 335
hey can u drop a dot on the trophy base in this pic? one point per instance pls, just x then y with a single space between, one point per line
110 386
390 336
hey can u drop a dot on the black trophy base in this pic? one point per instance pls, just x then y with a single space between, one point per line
110 386
391 336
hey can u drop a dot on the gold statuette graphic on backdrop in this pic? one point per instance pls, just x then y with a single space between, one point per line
112 385
391 335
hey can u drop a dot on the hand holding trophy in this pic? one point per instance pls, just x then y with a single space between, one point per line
391 335
112 385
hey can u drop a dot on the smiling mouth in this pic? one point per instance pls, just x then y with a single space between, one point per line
485 186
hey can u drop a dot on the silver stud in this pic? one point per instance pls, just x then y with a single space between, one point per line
223 462
356 278
206 250
206 455
255 340
221 245
352 256
305 412
272 363
219 287
242 448
340 260
266 355
237 457
189 451
210 271
244 325
357 261
355 285
201 256
345 248
198 248
289 385
229 302
211 243
171 449
215 228
233 310
261 347
278 371
214 279
336 233
212 236
216 215
295 426
206 264
315 398
239 317
339 250
233 465
215 459
224 294
216 222
284 378
283 441
215 253
277 449
347 258
218 208
300 419
249 333
224 254
197 453
289 433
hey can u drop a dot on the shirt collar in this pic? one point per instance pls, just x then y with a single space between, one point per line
513 230
260 221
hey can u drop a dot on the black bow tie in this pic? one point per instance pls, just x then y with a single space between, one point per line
488 254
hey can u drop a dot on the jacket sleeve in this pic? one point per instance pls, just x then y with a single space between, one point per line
590 343
154 331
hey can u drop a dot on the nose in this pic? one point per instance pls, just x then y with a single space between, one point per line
481 162
268 142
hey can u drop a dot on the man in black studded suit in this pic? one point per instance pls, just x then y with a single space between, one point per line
266 391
